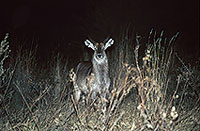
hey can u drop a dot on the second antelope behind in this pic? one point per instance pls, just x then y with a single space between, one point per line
92 78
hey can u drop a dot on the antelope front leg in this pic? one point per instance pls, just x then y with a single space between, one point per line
104 110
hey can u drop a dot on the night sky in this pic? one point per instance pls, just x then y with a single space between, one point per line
63 25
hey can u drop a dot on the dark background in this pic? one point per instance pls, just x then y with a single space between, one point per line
62 25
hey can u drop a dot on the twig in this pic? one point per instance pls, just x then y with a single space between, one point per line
117 120
37 126
40 96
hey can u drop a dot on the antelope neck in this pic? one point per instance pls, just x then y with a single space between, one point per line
100 72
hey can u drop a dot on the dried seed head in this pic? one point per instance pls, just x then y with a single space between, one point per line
173 109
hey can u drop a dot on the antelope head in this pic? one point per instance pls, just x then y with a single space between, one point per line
99 49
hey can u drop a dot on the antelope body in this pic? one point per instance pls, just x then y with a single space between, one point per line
93 77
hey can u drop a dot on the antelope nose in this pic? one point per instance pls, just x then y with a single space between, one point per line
99 56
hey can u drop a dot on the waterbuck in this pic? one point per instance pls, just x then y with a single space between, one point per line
92 78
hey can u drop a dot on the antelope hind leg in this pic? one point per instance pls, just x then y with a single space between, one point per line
75 100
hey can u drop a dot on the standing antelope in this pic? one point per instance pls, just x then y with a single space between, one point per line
92 77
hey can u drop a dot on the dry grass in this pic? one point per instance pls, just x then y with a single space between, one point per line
145 95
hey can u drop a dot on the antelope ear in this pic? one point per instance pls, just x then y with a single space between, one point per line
89 44
109 43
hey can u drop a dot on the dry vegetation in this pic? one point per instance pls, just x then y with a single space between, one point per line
148 92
